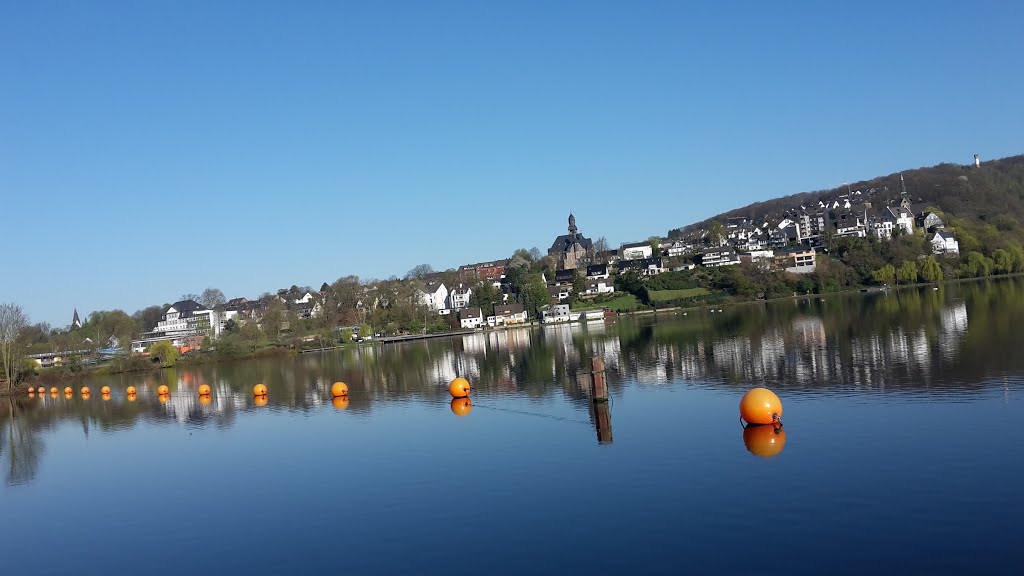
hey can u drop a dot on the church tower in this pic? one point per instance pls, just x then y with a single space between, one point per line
572 225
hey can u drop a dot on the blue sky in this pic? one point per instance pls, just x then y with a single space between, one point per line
148 149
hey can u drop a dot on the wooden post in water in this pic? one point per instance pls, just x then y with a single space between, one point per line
598 387
603 422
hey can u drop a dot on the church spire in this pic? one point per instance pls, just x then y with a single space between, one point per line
75 322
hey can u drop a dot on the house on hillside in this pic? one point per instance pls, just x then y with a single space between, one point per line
597 286
507 314
642 266
930 221
458 298
556 313
796 260
434 295
715 257
944 243
597 271
572 250
470 318
636 250
901 217
559 293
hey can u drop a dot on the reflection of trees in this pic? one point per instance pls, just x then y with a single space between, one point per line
19 446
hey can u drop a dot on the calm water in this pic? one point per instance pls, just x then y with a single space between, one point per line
902 452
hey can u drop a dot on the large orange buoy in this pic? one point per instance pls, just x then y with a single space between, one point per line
131 397
53 390
259 390
68 395
105 390
53 393
205 399
764 440
163 390
68 390
31 391
164 397
130 390
459 388
339 389
461 406
760 406
340 402
85 395
260 400
41 390
84 390
105 395
204 389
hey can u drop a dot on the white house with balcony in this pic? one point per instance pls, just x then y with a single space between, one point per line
434 295
459 297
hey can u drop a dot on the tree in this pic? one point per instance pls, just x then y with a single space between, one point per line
601 245
579 283
273 318
1004 261
655 243
12 320
166 352
715 233
885 275
534 295
147 318
420 271
907 273
931 270
190 296
535 254
977 265
212 298
484 297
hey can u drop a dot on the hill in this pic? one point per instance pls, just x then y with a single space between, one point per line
990 194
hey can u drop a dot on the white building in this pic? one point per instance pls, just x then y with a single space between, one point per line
597 286
434 295
557 313
714 257
459 297
900 217
470 318
945 243
637 251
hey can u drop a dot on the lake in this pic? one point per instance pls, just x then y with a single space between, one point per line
900 451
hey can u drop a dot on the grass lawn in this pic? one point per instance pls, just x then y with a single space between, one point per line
666 295
622 303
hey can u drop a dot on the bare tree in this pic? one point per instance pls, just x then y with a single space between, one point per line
189 296
212 298
12 320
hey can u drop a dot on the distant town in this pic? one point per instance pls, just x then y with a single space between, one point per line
838 242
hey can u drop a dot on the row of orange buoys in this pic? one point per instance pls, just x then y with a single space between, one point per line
763 435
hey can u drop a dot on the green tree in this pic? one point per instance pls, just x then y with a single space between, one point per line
484 296
165 352
715 233
907 273
273 318
976 265
884 275
1003 260
534 295
931 271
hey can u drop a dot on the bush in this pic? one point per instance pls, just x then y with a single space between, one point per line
165 353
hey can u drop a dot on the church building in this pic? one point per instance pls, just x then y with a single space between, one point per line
572 250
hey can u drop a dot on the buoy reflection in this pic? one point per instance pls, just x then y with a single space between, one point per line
461 406
340 402
764 440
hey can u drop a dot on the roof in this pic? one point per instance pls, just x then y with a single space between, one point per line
565 275
432 286
565 241
470 313
639 263
944 236
187 306
508 309
597 269
635 245
794 250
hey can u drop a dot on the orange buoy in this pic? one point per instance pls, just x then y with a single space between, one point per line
131 397
461 406
84 390
764 440
41 390
205 399
105 390
259 390
260 400
340 402
68 395
53 390
31 391
459 388
760 406
163 390
204 389
53 393
130 390
164 397
105 395
339 389
68 390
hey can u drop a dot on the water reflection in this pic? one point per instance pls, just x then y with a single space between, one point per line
952 341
